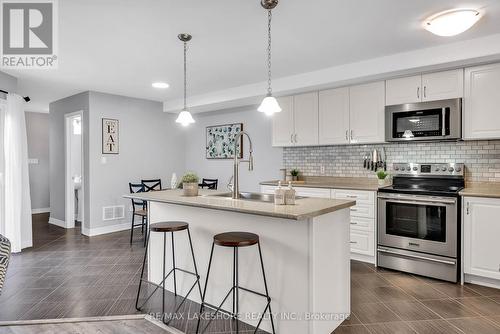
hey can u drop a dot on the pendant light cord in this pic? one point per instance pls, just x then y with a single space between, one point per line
269 19
185 76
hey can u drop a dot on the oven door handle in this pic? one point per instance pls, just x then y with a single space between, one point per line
418 201
419 257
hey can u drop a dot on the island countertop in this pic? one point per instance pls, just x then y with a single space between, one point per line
304 208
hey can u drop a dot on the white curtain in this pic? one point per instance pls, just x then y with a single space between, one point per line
15 201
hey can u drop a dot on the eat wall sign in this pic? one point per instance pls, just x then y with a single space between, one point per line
110 131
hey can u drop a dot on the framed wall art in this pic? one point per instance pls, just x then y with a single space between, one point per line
110 136
220 141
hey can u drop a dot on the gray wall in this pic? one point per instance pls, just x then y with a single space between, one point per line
37 130
151 146
268 160
481 158
8 82
57 153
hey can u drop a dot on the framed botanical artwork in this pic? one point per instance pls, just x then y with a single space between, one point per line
220 140
110 136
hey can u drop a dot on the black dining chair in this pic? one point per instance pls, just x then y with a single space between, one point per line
138 209
209 184
151 185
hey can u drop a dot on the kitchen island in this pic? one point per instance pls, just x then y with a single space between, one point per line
305 249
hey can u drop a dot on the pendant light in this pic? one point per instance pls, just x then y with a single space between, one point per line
269 104
185 117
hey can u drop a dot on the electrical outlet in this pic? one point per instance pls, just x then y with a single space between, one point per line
322 170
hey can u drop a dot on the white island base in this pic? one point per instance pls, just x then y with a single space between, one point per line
306 262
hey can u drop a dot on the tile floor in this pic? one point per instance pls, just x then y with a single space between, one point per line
385 301
67 274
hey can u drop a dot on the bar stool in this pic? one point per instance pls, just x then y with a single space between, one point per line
166 227
235 240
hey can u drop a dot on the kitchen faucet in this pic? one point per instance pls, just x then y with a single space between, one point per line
236 164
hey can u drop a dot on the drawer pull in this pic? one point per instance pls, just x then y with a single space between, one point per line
354 210
353 242
357 224
352 196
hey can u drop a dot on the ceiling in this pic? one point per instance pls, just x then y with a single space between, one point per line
122 46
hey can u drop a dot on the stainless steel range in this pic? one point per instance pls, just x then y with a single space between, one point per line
419 220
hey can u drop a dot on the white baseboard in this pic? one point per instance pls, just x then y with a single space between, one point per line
484 281
57 222
106 229
363 258
40 210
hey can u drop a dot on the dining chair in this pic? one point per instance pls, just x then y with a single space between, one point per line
151 185
138 209
209 184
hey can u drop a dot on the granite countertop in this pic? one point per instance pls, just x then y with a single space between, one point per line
481 189
354 183
303 209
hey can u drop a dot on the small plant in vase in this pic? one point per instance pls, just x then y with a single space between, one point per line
295 174
190 184
382 177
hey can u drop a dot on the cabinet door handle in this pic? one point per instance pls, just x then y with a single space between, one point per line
347 135
468 208
425 91
295 137
291 138
418 92
352 134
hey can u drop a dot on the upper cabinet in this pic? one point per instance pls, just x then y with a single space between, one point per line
334 116
297 123
366 113
427 87
482 102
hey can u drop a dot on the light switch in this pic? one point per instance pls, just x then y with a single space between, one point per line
104 160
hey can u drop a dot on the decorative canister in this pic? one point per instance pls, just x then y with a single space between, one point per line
190 189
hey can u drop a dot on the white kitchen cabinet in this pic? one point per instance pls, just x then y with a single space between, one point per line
404 90
481 233
427 87
305 111
297 123
334 116
367 109
313 192
283 123
443 85
362 242
482 102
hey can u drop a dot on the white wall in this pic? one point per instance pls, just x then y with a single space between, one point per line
37 130
8 83
151 145
267 160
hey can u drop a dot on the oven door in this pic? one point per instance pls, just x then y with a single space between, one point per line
418 223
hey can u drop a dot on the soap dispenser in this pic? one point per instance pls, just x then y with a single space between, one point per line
290 194
279 195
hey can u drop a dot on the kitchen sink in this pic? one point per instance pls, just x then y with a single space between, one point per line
258 197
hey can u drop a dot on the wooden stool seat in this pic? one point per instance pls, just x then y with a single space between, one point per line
236 239
172 226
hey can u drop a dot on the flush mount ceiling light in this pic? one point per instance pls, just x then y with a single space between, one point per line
161 85
452 22
269 104
185 117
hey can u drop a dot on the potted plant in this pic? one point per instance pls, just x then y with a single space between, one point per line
190 184
295 174
382 175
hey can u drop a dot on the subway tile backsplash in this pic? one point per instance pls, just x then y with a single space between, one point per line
481 158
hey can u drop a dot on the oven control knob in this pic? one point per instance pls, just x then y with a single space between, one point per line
437 169
451 169
443 169
415 168
408 168
396 168
458 169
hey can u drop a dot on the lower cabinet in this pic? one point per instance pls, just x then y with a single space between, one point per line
482 237
363 223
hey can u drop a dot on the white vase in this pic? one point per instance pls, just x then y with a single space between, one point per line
190 189
381 182
173 181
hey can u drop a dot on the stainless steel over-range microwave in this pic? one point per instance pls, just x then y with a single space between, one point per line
435 120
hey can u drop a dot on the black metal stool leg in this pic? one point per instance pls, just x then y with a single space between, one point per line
236 288
132 229
142 275
267 291
147 232
205 288
194 263
163 283
173 265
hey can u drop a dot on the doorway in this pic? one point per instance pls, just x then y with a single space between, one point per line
74 206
